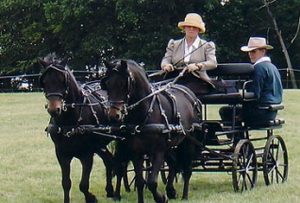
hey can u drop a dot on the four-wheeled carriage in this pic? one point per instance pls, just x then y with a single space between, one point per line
232 146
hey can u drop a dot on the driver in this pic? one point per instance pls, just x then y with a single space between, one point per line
192 52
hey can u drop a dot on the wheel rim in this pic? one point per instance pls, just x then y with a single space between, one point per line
275 161
244 172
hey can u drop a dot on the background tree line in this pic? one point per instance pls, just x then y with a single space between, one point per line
88 31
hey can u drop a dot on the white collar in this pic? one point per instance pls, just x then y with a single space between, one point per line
189 50
195 43
263 59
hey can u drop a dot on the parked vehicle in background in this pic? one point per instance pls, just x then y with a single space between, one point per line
21 84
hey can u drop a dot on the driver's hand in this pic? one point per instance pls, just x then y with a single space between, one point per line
168 68
193 67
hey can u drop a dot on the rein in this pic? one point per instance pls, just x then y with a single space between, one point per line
160 72
161 89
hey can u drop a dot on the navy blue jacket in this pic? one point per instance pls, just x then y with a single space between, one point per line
267 85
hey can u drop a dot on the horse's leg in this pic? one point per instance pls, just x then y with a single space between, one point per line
125 178
121 172
87 164
187 159
121 162
186 179
171 192
139 180
108 161
66 182
157 162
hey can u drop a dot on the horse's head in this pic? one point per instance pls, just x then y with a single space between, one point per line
122 80
54 81
117 82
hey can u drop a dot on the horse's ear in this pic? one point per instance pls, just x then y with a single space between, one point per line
123 66
43 63
65 61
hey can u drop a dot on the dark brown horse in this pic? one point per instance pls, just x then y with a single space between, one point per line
71 106
158 119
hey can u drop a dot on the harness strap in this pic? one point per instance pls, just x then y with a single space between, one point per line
196 102
93 111
173 101
150 110
167 86
162 112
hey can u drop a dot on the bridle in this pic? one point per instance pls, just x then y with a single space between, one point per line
63 95
115 104
62 70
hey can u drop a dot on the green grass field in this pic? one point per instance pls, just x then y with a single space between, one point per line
29 172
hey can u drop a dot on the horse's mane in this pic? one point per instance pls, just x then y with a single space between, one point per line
137 71
72 77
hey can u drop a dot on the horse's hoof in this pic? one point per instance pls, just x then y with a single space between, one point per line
165 199
184 198
162 199
93 201
171 193
109 192
117 198
109 195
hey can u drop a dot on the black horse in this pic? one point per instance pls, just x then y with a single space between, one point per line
158 119
71 106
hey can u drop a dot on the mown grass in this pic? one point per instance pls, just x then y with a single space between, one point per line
29 172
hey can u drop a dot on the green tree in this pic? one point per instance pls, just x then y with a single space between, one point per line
89 31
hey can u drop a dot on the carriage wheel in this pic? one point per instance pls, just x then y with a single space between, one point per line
146 170
244 173
275 161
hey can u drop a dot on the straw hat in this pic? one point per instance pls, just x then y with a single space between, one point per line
193 19
256 43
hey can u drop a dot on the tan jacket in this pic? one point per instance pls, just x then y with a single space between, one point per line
205 54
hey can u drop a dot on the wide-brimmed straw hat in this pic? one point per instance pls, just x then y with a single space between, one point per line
256 43
193 19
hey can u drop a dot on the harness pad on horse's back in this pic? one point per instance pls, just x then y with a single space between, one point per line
188 94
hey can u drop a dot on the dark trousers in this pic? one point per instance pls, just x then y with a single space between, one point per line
197 85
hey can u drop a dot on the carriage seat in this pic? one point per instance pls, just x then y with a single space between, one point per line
239 74
227 98
236 70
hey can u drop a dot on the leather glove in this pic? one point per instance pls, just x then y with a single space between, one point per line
168 68
194 66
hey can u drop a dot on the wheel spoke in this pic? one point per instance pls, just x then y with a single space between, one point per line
277 151
244 182
250 180
278 173
249 161
272 169
239 179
